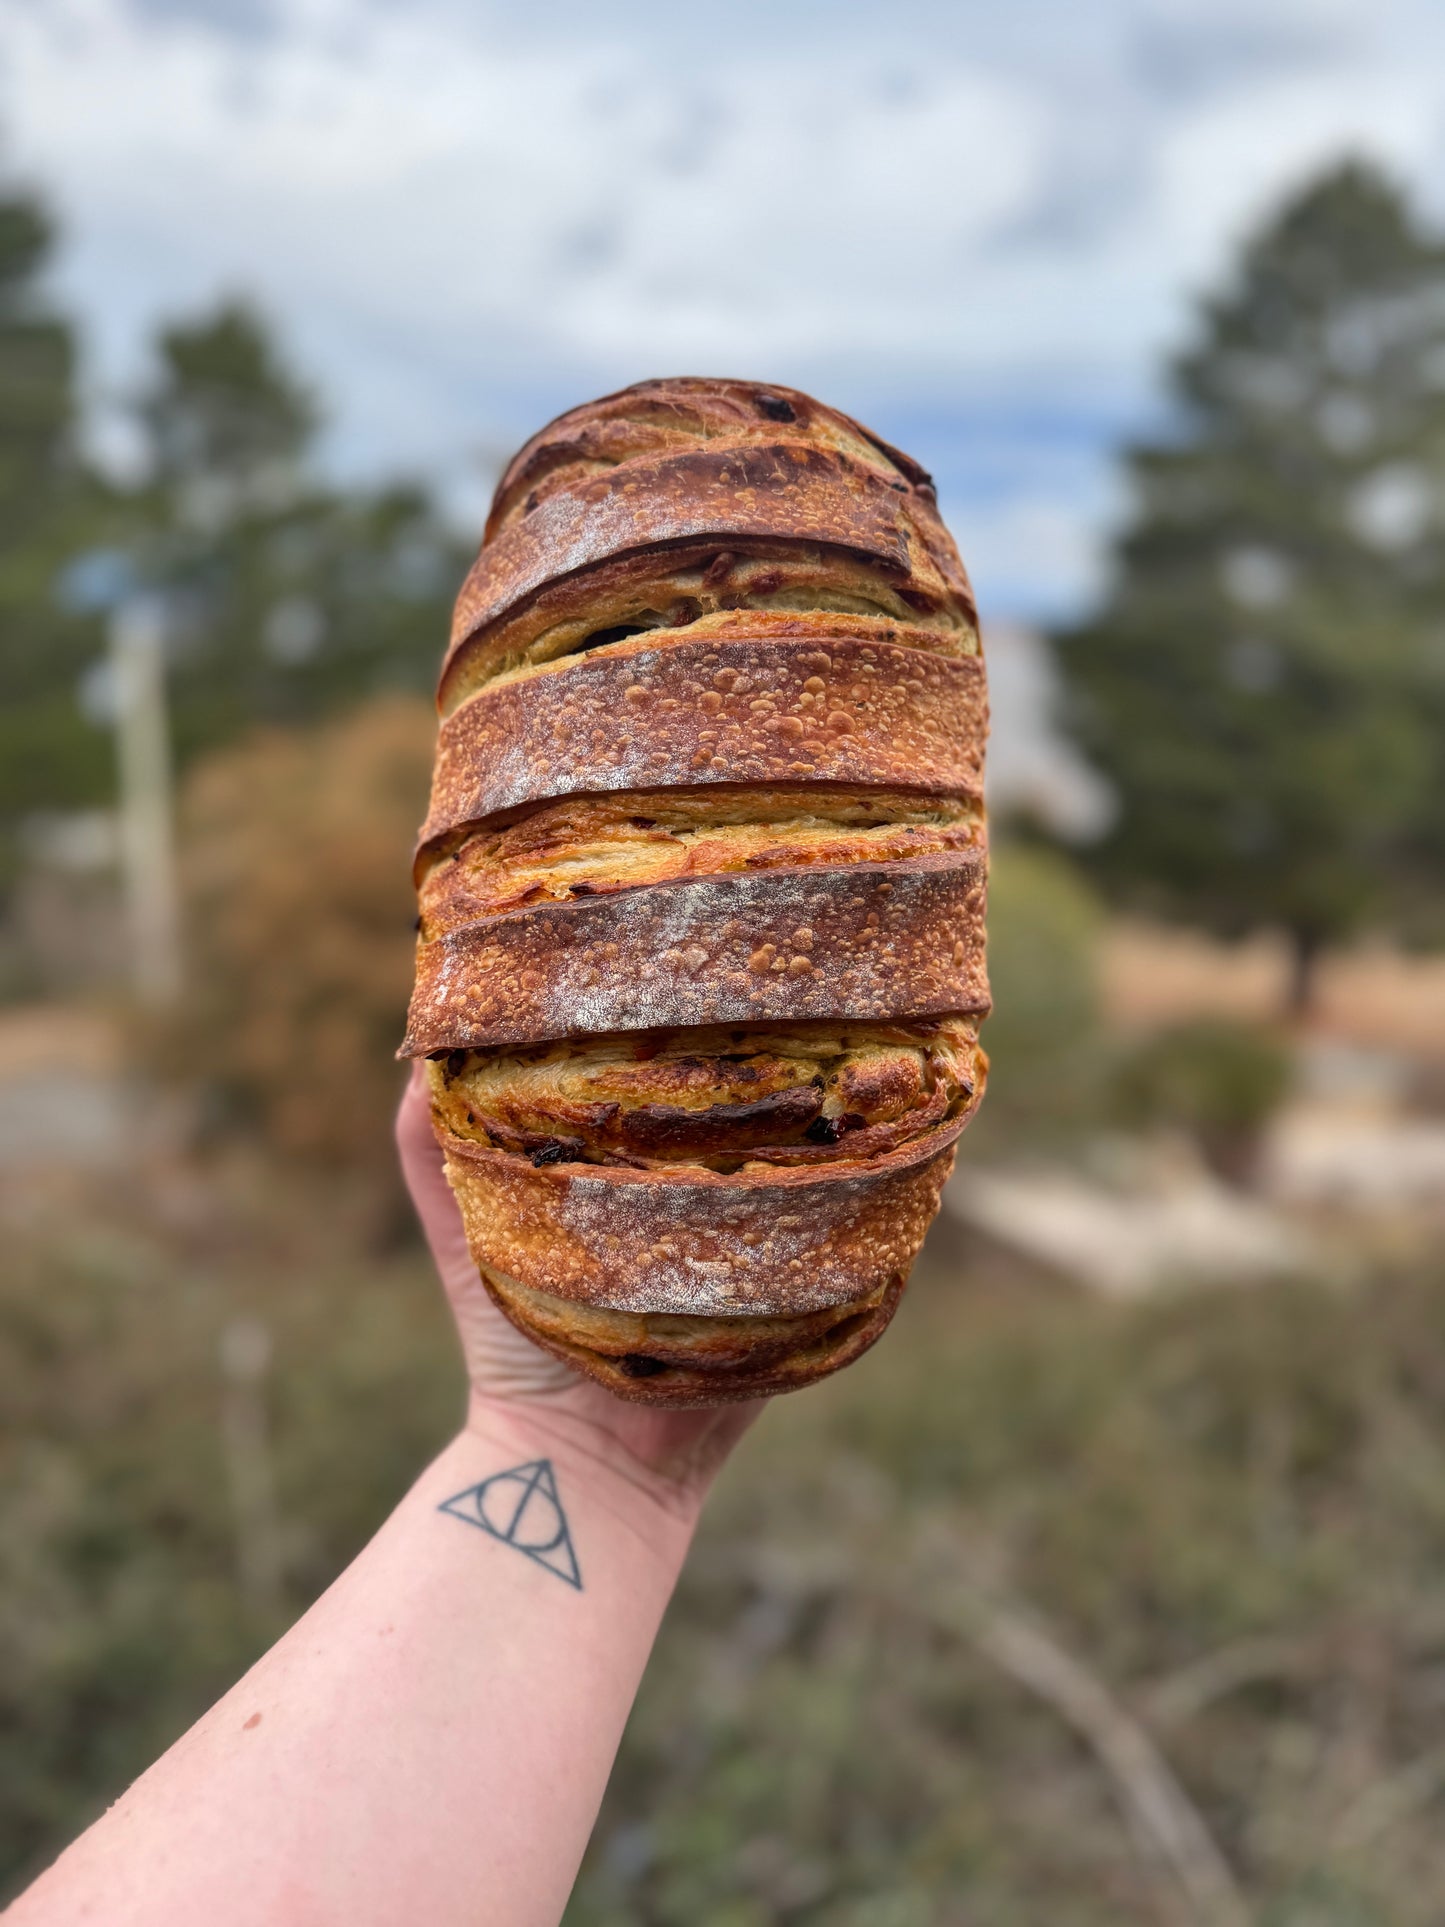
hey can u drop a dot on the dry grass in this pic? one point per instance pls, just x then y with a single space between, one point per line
1373 995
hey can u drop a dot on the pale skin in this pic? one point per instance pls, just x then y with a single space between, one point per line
432 1740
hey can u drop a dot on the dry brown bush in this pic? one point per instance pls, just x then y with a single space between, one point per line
295 866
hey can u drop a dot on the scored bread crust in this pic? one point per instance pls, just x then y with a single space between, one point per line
844 706
711 755
776 1241
740 493
891 940
698 591
705 1360
654 417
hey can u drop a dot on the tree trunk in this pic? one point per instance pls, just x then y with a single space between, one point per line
1305 948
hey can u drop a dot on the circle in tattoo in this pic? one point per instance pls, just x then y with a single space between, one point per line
522 1508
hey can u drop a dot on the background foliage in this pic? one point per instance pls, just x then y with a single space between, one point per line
1228 1505
290 598
1264 686
1225 1508
300 913
49 508
1043 1037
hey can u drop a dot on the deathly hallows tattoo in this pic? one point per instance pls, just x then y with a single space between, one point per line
521 1507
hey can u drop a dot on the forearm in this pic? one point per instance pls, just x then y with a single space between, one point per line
431 1742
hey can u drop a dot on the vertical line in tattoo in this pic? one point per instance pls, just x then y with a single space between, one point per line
522 1508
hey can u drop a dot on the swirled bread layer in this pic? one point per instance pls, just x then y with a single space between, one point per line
739 499
861 940
721 1099
705 590
560 852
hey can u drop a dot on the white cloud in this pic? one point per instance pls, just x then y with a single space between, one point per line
1027 550
468 216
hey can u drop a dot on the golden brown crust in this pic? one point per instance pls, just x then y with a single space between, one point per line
652 1359
785 491
891 940
711 757
703 1243
650 713
653 416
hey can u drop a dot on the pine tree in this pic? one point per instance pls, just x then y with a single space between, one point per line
229 424
48 508
1265 683
288 598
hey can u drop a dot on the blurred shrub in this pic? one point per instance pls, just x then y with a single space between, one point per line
121 1615
299 912
1226 1506
1044 926
1219 1081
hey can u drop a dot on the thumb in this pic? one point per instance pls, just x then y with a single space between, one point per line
425 1173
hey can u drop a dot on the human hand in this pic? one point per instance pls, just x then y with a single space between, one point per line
514 1382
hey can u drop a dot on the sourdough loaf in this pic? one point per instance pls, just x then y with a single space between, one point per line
700 961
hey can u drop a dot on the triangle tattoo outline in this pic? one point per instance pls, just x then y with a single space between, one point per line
521 1507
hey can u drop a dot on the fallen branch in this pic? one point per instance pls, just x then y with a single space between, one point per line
1160 1814
1183 1695
1392 1801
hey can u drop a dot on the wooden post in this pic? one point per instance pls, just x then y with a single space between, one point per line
147 842
245 1355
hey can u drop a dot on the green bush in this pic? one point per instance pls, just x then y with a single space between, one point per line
1219 1081
1044 927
